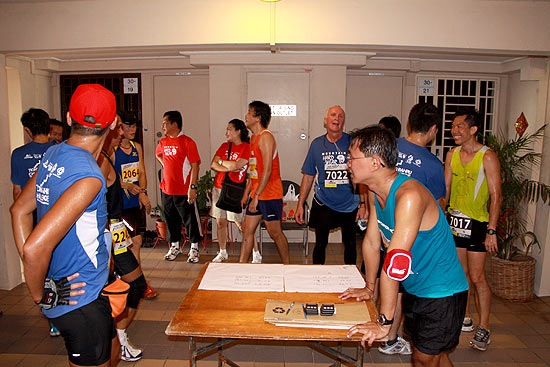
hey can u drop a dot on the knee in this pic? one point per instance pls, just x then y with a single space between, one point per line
137 287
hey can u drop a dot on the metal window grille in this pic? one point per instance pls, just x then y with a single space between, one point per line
448 94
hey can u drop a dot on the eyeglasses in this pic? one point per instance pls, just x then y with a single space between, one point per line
350 158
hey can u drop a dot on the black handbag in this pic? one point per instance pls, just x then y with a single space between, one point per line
231 192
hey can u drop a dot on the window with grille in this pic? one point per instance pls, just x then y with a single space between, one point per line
448 94
127 102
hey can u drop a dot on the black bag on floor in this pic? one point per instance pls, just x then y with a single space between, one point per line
231 193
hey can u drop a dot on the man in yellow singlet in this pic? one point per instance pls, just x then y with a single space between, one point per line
472 177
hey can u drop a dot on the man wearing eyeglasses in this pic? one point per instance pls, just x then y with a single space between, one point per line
334 203
421 254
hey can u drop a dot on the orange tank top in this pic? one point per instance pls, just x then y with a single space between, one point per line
274 188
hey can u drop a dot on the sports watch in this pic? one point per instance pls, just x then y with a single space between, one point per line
193 186
491 231
383 321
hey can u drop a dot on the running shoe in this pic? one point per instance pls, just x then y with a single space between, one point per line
401 346
172 253
149 293
129 352
481 339
221 256
193 256
256 257
53 330
467 324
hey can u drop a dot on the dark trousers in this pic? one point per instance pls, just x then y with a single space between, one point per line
177 211
326 219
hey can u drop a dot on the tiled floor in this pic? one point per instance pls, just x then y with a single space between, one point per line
521 331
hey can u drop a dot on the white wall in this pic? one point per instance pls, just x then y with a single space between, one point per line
466 24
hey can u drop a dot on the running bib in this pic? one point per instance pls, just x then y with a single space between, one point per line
460 223
121 237
253 168
336 174
130 172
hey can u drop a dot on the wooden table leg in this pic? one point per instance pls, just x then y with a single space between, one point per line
192 356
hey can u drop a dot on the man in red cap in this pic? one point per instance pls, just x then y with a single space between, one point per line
68 191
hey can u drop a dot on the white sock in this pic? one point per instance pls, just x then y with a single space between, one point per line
122 336
175 244
224 251
195 246
256 252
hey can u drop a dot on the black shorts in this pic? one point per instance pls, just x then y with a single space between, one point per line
134 220
324 217
434 324
88 332
125 262
476 243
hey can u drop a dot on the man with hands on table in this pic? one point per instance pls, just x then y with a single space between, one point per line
420 253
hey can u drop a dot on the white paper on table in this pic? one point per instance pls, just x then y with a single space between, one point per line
322 278
243 277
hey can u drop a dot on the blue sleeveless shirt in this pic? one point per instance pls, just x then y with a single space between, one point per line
435 271
127 168
83 249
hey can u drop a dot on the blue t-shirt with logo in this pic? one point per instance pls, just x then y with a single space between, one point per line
327 160
24 161
83 249
418 162
435 270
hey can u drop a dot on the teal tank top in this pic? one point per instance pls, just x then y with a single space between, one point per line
435 271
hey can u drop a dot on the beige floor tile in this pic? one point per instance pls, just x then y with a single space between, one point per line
8 359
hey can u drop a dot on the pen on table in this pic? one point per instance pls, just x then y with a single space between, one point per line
290 308
303 308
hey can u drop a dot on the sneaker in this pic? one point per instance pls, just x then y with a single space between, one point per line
53 330
221 256
172 253
467 324
149 293
129 352
401 346
481 339
256 257
193 256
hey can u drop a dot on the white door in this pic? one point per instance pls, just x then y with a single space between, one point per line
285 88
189 95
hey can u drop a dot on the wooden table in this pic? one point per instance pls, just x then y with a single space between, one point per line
240 315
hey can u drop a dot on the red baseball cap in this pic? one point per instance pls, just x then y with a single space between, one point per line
93 105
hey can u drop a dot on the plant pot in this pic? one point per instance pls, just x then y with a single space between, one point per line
513 280
161 229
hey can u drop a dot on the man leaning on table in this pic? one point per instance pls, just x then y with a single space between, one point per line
420 253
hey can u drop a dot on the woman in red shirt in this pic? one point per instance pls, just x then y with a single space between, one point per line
235 164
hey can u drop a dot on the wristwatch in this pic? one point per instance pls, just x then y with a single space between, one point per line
220 162
193 186
491 231
383 321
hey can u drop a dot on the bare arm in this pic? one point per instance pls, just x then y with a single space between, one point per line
363 211
39 244
16 191
192 193
142 180
227 166
492 172
305 188
448 177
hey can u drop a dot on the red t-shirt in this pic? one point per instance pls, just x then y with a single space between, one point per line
177 154
237 151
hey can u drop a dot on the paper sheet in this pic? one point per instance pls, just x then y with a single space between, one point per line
243 277
322 278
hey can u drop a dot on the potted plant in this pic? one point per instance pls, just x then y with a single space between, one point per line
160 222
511 272
204 192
